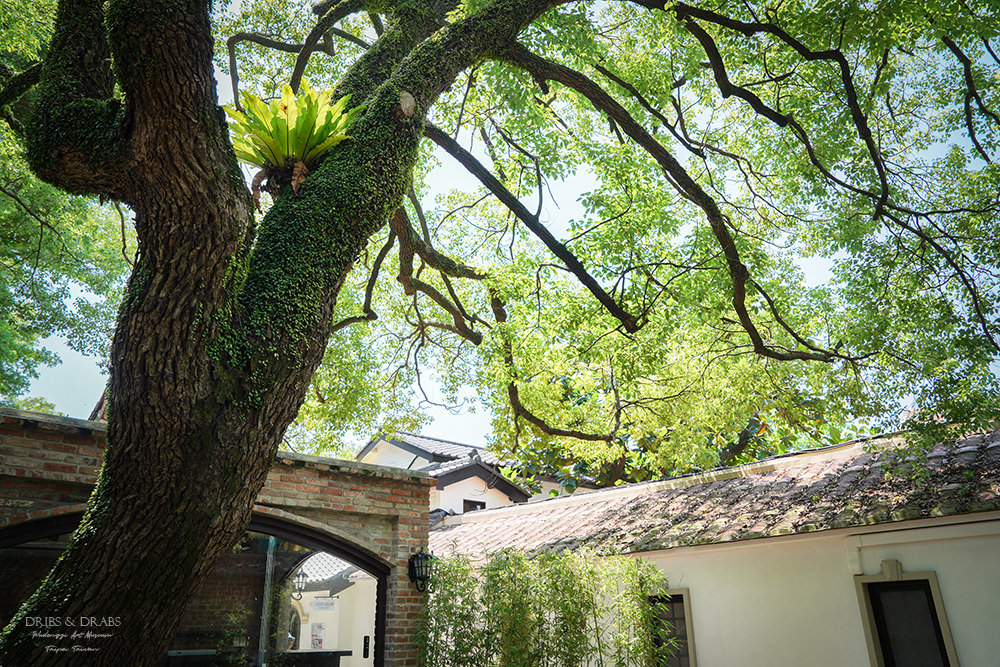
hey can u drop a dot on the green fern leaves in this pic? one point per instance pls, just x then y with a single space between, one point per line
290 130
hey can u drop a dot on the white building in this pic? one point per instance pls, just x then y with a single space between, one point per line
469 477
812 559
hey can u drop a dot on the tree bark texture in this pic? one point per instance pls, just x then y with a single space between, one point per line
223 324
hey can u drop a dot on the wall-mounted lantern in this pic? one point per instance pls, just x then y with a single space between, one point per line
420 567
300 585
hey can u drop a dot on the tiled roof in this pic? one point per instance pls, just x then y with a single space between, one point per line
834 487
322 566
443 448
439 469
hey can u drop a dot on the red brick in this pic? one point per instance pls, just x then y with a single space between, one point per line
79 439
59 467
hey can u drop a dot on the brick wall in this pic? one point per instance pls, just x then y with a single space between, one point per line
49 464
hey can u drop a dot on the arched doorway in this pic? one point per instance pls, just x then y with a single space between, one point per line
285 595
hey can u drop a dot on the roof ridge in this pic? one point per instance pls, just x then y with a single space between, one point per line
635 489
430 437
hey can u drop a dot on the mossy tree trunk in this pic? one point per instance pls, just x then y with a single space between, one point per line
223 324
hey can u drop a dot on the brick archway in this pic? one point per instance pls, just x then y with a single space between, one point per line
373 514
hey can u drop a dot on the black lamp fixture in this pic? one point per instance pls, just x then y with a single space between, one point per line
420 567
300 585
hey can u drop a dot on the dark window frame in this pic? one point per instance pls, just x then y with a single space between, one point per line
873 618
472 505
685 599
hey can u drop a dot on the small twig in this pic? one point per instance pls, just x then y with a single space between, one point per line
121 217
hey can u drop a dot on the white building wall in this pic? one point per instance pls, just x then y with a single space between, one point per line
545 490
472 488
792 601
387 454
966 559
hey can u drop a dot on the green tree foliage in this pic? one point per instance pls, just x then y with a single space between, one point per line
565 609
62 266
791 212
719 149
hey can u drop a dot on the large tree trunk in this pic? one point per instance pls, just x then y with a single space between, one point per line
222 327
202 385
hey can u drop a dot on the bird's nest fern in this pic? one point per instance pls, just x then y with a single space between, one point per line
288 136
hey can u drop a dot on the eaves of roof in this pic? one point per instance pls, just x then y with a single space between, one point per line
455 471
815 490
434 449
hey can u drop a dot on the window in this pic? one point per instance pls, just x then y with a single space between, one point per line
674 613
473 505
905 620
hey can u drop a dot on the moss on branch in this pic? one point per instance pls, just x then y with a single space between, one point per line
76 132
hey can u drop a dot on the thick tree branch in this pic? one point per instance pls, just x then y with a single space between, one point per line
728 454
682 181
75 135
17 84
408 25
477 169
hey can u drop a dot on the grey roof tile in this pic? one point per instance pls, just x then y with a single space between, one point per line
833 487
444 448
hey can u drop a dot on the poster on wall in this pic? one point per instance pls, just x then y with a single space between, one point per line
317 635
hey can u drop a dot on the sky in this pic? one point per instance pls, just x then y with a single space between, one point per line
75 387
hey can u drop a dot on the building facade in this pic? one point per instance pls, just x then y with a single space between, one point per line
836 557
367 518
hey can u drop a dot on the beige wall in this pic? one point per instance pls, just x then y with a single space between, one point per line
358 620
345 625
473 488
791 601
387 454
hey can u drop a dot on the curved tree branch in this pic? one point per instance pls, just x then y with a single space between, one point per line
971 93
368 315
686 13
400 224
634 92
335 13
477 169
681 180
256 38
514 396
